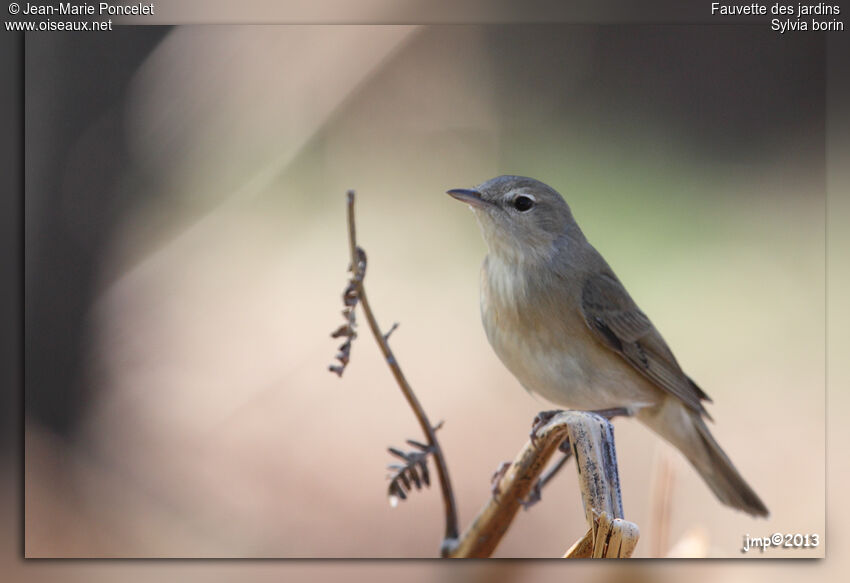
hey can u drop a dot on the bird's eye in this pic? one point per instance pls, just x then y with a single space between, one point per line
523 203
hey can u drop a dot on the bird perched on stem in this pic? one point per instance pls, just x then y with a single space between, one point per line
563 324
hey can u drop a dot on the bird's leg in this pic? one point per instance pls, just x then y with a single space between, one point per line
497 477
613 412
540 420
535 494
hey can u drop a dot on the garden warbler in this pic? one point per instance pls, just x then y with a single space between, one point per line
567 329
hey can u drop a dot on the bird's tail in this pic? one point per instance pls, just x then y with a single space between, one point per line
688 432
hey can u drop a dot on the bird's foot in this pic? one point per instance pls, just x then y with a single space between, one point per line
497 478
540 420
534 495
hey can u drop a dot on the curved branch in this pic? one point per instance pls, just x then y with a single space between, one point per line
484 534
358 266
591 438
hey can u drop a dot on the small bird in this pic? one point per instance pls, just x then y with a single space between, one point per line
563 324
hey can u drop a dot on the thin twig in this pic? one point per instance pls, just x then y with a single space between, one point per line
482 537
592 442
536 491
358 263
390 331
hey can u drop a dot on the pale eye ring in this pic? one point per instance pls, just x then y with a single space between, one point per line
523 203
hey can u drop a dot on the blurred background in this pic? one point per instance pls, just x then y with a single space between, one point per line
186 252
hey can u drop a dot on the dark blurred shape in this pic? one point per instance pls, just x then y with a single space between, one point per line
75 159
733 88
11 102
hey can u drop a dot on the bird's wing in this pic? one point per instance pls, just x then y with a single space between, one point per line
617 322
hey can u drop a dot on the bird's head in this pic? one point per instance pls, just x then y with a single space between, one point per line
521 218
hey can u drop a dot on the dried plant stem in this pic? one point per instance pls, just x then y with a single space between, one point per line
592 439
357 265
662 495
537 490
491 524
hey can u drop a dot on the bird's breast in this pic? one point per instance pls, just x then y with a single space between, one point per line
535 326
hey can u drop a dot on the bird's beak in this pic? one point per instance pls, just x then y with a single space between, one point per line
469 196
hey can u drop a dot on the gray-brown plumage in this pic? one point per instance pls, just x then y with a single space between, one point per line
564 325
